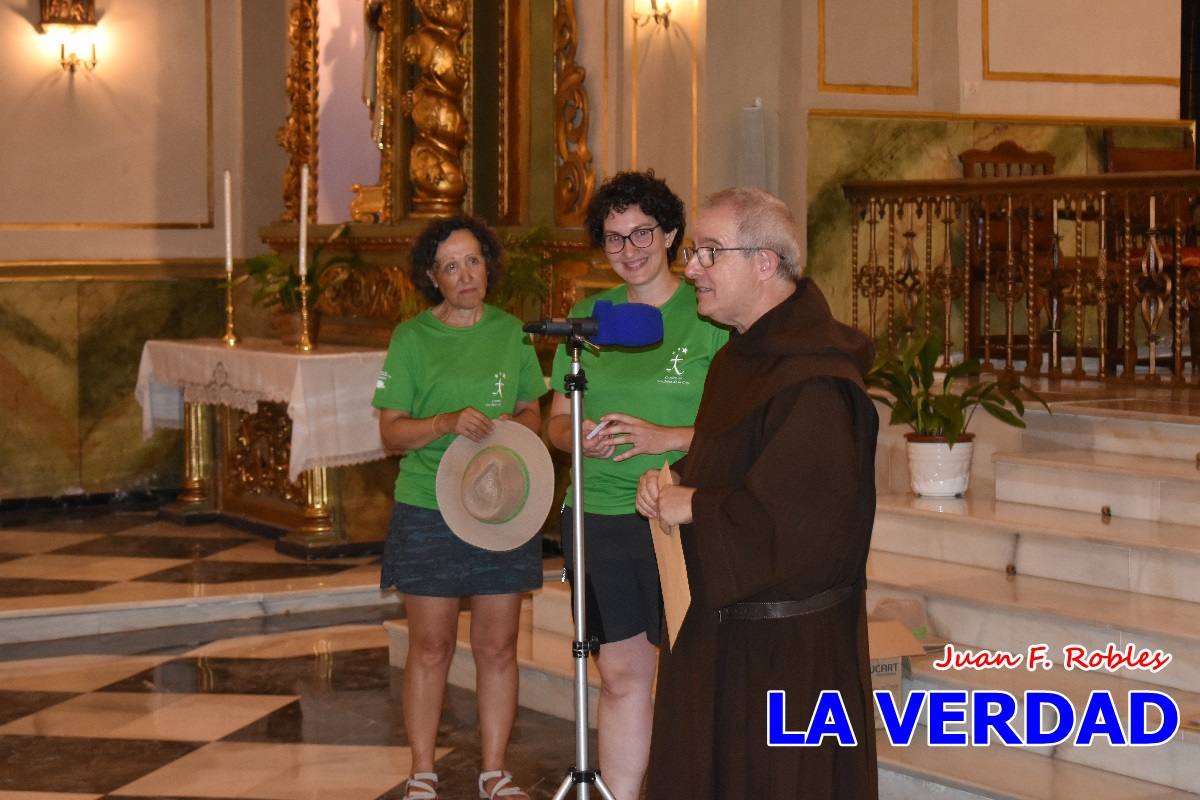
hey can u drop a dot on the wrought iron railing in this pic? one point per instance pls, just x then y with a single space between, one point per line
1100 272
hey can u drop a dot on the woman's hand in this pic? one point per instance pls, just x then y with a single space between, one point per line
645 437
599 446
469 422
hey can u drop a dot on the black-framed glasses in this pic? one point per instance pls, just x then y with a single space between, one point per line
707 256
639 237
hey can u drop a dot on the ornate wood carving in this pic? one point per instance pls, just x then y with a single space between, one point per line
436 106
371 292
574 177
261 448
298 136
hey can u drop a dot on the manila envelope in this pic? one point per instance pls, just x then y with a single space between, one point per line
672 572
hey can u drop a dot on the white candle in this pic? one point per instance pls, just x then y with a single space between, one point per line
228 226
303 268
1151 211
1055 218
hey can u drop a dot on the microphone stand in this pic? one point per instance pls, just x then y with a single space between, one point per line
580 775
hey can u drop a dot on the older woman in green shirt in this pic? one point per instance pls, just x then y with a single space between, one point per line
450 371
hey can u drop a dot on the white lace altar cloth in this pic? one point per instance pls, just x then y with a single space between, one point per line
328 392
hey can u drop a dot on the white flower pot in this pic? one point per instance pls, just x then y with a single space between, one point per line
935 469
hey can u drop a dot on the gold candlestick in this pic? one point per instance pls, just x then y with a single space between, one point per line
305 344
230 338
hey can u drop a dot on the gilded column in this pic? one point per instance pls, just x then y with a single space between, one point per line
298 136
197 485
574 177
436 106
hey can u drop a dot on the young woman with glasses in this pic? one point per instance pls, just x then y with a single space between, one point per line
648 399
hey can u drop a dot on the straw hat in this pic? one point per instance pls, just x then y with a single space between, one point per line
495 494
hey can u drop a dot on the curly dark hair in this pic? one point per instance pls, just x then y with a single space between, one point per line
642 189
429 240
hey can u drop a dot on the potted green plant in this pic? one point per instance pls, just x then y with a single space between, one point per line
277 284
940 411
526 282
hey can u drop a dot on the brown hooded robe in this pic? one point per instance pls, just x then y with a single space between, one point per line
783 464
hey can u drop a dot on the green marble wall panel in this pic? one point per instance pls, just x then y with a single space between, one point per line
115 320
69 352
844 149
39 389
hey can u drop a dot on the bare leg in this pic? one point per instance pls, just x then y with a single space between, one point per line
626 713
432 636
494 622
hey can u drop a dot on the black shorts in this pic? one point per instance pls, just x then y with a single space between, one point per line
623 594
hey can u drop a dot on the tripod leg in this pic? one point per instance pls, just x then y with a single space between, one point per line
565 786
602 787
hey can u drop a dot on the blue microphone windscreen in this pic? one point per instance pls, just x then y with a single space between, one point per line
627 324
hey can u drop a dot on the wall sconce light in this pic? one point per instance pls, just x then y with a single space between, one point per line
656 16
73 22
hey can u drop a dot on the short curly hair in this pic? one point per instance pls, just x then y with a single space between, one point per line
644 190
428 241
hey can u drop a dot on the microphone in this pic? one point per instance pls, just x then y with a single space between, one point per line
623 325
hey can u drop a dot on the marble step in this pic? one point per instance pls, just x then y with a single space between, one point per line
1141 427
1134 486
921 772
1142 556
545 663
993 610
84 618
1175 764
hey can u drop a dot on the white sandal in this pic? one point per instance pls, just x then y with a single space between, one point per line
502 787
421 786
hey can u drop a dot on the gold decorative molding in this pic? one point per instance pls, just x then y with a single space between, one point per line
514 130
110 270
372 203
574 178
1058 77
207 223
387 110
913 86
436 106
261 452
298 136
953 116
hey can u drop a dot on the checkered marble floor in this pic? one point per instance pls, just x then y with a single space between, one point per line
123 558
285 716
303 707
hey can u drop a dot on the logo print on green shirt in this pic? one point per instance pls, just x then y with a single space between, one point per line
498 394
673 370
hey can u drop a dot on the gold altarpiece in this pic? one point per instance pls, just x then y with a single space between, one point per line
461 124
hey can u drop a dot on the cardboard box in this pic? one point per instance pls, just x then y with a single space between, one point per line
889 642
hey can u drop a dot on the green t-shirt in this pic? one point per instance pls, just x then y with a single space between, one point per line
660 384
432 367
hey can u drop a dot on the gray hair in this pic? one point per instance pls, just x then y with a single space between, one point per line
763 221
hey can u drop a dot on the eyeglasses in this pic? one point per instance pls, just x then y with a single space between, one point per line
707 256
640 238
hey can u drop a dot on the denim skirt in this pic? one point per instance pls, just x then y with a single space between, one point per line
423 557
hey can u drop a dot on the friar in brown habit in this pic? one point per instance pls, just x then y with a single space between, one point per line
776 500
